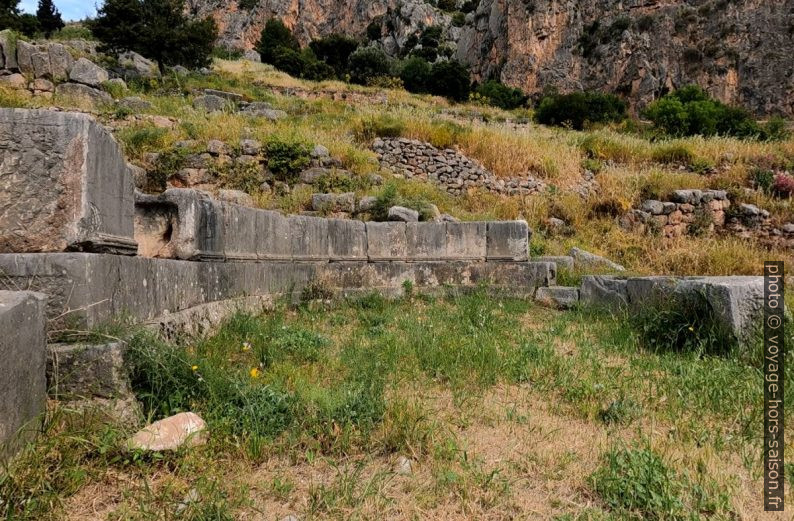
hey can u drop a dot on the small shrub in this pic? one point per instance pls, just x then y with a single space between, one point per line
577 109
168 164
289 61
673 153
415 74
139 140
459 19
451 80
286 158
367 63
620 412
318 71
241 176
703 223
762 179
502 96
783 186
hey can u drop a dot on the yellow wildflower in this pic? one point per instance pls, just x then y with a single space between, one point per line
254 372
195 368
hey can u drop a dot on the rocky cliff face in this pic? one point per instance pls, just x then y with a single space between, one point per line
741 51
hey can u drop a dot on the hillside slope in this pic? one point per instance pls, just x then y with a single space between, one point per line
739 50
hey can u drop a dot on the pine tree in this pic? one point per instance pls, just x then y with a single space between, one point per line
9 14
49 17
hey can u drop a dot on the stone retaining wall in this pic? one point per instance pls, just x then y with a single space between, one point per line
448 168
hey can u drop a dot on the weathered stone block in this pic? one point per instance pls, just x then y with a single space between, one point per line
88 73
23 345
386 241
240 233
426 241
559 297
25 52
466 241
585 259
87 371
180 224
274 237
347 240
309 238
8 44
61 61
64 185
86 96
508 241
605 292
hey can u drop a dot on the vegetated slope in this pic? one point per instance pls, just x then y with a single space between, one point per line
740 51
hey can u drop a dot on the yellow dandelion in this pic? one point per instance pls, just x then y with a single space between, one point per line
254 372
194 367
246 346
691 328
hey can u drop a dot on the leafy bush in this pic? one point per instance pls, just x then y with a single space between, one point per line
335 50
289 61
367 63
690 111
286 158
762 179
459 19
275 36
318 71
577 109
157 29
451 80
415 74
783 185
502 96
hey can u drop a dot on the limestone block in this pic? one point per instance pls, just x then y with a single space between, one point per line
585 259
386 241
41 65
88 73
8 41
273 232
309 238
25 52
562 262
426 241
83 94
87 371
180 224
64 185
240 233
559 297
23 387
61 61
466 241
605 292
508 241
347 240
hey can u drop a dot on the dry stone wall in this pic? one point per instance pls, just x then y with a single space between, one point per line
449 168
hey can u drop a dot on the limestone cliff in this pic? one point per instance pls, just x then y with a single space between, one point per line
742 51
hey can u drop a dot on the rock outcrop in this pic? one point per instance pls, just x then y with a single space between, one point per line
739 51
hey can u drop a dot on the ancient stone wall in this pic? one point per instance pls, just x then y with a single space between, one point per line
449 168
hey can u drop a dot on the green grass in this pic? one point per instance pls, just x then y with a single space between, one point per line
350 382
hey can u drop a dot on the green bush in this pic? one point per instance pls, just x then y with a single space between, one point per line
318 71
275 36
502 96
762 179
451 80
286 158
459 19
335 50
690 111
577 109
368 63
382 125
415 74
289 60
157 29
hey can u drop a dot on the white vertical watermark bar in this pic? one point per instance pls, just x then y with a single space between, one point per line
774 351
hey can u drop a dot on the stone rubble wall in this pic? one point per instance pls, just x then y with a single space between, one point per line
704 212
449 168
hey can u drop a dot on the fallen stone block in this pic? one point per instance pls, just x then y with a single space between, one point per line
586 260
309 238
603 291
347 240
466 241
508 241
180 224
186 429
334 202
559 297
386 241
736 302
77 371
23 386
64 185
562 262
85 96
402 214
88 73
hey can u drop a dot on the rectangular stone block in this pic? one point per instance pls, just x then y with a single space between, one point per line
77 371
64 185
559 297
180 224
508 241
23 386
240 233
309 238
467 241
426 241
604 291
273 232
347 240
562 261
386 241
